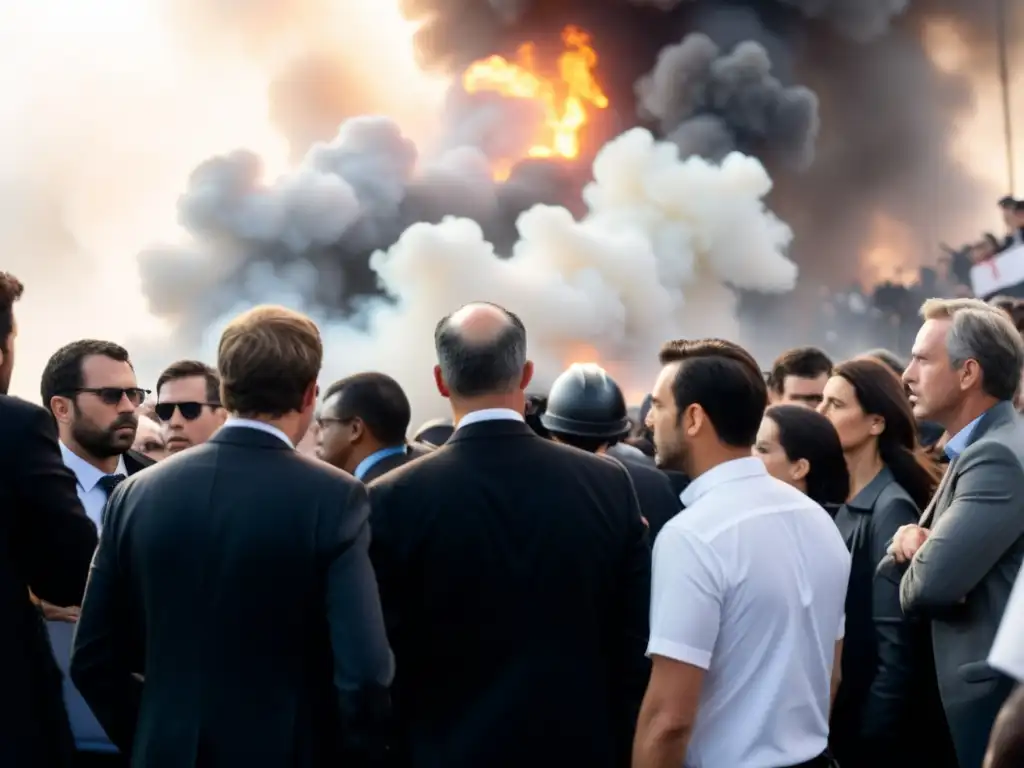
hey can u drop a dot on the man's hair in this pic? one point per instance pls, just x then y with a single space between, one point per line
983 333
471 368
724 380
267 358
889 358
378 400
803 362
63 373
10 291
187 369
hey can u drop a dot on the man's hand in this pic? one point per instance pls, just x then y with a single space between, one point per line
906 542
56 613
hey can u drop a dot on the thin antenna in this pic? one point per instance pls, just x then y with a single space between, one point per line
1004 79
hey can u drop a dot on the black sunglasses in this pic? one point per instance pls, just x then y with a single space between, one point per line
189 411
112 395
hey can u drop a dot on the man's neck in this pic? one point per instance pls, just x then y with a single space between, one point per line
969 410
107 466
513 402
715 457
864 464
361 453
289 424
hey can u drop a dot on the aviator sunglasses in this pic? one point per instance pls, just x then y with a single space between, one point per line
189 411
113 395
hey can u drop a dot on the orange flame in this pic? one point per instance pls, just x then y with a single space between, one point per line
564 103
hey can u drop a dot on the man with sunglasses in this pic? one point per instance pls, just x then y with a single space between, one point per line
188 404
90 389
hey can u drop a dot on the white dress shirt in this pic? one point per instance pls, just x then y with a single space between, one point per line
749 584
1007 654
262 426
489 414
91 493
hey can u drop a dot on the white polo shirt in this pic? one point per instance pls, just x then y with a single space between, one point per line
1007 654
749 583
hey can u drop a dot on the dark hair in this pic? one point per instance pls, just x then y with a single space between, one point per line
186 369
880 393
588 444
1005 303
472 369
803 362
806 434
268 357
63 372
889 359
378 400
991 239
724 380
11 290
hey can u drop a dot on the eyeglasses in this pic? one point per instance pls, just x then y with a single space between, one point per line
322 421
189 411
113 395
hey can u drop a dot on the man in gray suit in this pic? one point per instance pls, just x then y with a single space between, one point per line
960 563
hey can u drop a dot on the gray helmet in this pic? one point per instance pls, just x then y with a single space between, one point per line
586 402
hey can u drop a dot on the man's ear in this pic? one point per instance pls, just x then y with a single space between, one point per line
524 382
439 381
60 407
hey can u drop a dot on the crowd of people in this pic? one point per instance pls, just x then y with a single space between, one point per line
858 317
817 565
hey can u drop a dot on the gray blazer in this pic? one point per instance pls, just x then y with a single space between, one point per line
961 577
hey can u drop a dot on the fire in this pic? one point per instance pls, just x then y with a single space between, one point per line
565 102
620 370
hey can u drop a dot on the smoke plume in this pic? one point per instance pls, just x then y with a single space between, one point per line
650 259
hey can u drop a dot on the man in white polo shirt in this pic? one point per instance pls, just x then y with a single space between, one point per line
749 584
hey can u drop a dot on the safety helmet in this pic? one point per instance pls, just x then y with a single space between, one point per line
586 402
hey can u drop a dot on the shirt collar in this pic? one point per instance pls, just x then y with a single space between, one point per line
85 473
958 442
375 458
726 472
490 414
270 429
868 495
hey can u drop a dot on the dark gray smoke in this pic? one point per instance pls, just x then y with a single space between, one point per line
710 103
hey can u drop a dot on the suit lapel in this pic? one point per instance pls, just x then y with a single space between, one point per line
938 498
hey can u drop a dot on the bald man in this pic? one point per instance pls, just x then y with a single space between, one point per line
514 575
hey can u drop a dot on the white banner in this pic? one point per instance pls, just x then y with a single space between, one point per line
998 273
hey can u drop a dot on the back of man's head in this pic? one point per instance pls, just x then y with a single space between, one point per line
377 400
269 359
10 291
481 353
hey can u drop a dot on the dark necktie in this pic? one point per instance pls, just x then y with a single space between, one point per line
109 482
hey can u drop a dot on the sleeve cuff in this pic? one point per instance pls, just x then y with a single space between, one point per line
679 652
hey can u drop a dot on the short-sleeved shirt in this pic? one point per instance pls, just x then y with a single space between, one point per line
749 584
1007 654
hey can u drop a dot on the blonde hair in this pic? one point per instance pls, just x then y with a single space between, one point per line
981 332
267 358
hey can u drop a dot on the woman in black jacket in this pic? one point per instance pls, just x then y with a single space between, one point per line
886 667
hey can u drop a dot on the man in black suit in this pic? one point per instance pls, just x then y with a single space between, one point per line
46 543
514 574
92 392
362 426
587 410
235 578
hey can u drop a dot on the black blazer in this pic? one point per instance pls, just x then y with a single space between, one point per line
388 463
515 578
884 689
46 543
659 503
235 577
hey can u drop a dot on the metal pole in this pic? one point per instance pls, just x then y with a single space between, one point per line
1004 79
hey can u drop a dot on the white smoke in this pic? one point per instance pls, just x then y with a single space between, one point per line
650 261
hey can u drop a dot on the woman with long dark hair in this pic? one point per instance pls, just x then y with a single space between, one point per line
801 448
891 481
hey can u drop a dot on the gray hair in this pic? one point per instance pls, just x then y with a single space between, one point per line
981 332
473 368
